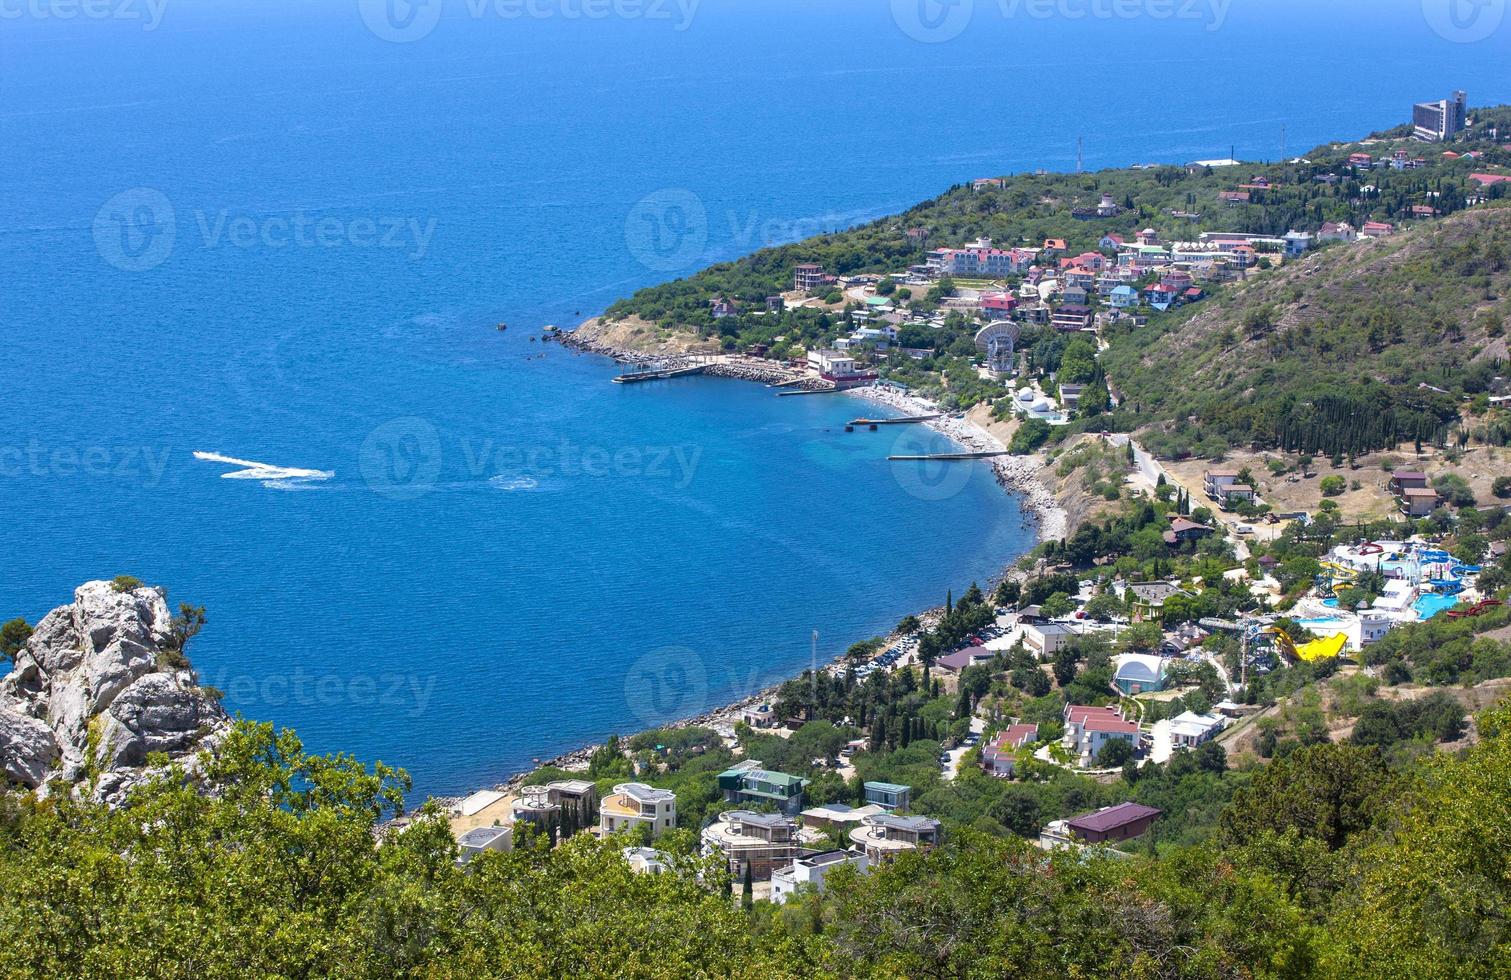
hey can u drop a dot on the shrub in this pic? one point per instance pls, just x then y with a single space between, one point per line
1333 486
125 583
1454 489
1114 754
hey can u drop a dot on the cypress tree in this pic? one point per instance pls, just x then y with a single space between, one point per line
747 890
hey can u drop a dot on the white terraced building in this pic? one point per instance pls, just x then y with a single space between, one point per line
638 805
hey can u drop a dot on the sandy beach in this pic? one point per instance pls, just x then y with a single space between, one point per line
1018 474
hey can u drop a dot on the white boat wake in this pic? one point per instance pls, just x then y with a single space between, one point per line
273 477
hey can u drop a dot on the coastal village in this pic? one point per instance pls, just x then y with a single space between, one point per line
963 553
1170 617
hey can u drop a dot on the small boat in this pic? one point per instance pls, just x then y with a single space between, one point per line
503 326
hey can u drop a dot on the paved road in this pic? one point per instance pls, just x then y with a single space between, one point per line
952 768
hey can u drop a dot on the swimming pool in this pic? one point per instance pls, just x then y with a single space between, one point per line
1431 604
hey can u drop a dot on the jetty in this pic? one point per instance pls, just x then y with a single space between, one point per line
908 420
809 391
949 456
657 374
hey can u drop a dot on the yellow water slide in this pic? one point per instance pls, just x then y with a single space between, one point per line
1340 572
1324 649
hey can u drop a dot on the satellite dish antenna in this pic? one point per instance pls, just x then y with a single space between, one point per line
998 341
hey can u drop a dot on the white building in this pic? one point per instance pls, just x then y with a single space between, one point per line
480 839
646 860
1189 729
811 870
831 363
1044 640
637 805
1298 243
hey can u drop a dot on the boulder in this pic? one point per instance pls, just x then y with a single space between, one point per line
28 749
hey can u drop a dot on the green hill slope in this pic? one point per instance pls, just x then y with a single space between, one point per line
1358 347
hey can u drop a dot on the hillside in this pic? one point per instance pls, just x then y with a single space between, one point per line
1027 209
1331 354
1348 348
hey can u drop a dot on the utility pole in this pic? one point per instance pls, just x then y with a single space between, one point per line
813 670
1282 143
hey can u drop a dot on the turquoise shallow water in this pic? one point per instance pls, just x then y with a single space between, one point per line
262 231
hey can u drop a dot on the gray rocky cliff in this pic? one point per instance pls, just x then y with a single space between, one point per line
95 691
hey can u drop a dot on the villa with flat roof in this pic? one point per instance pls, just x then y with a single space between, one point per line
837 816
761 841
638 805
749 783
542 804
884 836
890 796
480 839
810 871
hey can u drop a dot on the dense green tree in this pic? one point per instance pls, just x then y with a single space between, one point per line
13 636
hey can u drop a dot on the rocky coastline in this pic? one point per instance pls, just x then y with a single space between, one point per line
1016 474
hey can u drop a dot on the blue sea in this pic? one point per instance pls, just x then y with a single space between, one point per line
280 234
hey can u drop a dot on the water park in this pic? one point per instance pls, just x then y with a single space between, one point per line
1393 582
